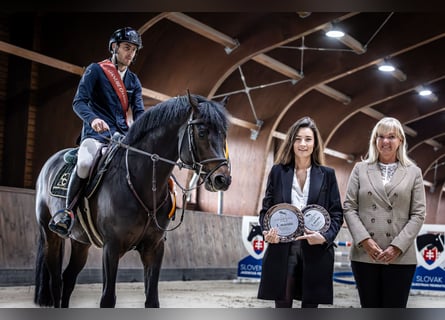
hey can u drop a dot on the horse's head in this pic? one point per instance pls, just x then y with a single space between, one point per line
203 145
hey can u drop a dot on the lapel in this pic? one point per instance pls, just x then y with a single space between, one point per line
317 176
398 177
287 178
375 179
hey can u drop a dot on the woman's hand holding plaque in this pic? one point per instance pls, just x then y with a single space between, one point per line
289 221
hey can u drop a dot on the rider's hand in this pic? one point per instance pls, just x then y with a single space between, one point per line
99 125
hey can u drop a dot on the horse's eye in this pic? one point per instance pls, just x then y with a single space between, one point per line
202 131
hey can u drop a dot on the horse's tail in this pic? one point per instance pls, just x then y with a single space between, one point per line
42 294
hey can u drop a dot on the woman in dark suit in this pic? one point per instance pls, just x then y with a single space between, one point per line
303 268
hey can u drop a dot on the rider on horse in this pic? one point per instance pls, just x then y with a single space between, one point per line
107 91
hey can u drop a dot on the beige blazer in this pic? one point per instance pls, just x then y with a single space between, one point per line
391 215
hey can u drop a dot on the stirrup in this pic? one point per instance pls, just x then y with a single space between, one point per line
62 222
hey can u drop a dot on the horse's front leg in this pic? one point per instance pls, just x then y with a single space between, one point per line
110 262
78 258
151 257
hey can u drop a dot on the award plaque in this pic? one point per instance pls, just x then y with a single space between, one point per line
316 218
287 219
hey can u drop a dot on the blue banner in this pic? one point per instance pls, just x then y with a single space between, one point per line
249 267
430 271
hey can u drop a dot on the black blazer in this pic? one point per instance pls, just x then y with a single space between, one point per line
315 276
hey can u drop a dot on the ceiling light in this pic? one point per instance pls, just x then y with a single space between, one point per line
386 67
335 33
425 92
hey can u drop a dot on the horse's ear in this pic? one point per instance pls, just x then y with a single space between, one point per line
224 100
193 101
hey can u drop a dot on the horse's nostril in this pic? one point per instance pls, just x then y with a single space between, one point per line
221 181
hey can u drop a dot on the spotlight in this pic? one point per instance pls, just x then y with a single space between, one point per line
427 93
386 67
335 33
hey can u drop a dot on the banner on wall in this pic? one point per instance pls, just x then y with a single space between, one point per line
253 240
430 271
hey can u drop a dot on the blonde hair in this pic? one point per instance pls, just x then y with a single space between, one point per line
385 125
286 153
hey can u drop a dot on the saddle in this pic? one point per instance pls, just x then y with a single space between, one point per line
59 186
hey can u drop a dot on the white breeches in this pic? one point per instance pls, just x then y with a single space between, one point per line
85 156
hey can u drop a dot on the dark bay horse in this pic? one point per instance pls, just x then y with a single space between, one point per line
130 206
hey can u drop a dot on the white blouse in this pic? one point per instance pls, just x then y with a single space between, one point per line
387 171
300 197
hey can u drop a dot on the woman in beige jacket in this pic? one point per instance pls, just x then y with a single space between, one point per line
384 210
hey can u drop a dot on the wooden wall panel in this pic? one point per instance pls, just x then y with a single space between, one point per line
202 241
18 234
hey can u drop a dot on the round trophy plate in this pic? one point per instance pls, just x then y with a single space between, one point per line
316 218
287 219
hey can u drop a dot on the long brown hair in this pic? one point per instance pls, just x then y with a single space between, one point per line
286 153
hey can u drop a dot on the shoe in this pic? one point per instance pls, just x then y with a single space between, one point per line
62 222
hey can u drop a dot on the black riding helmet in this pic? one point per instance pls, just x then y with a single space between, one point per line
126 34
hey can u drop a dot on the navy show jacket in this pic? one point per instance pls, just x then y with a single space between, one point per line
96 98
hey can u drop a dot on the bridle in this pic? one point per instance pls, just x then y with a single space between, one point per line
186 135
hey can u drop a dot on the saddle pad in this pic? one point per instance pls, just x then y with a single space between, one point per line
59 185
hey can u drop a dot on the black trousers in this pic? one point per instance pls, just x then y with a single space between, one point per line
294 262
383 286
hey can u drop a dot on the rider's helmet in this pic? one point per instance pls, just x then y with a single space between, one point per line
126 34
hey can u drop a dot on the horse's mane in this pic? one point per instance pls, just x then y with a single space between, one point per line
175 111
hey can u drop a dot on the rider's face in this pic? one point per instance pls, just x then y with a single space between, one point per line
125 53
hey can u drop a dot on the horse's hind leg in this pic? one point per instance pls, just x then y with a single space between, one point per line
78 258
151 258
48 280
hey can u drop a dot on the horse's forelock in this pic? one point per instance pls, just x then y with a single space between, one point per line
213 113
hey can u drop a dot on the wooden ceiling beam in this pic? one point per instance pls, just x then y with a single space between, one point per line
204 30
277 66
333 93
40 58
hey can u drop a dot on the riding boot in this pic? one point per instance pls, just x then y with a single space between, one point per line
63 220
